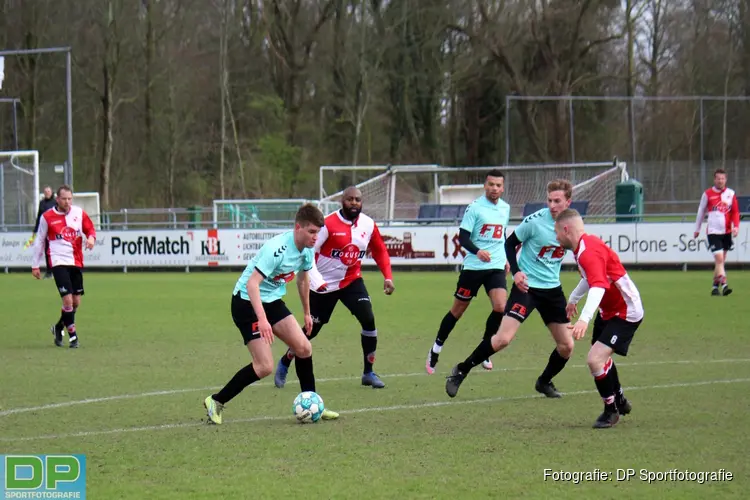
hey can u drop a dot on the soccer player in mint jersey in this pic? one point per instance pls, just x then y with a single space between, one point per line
337 276
536 285
482 234
259 312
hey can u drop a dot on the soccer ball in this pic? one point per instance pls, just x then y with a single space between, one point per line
307 407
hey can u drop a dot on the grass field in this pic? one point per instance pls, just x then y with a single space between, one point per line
154 345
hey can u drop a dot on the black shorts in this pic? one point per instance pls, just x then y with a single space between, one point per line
354 297
68 280
246 321
550 302
615 333
720 242
470 281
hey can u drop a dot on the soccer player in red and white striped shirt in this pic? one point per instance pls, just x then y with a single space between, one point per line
720 203
615 300
337 276
65 226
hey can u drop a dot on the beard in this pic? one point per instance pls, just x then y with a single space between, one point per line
351 213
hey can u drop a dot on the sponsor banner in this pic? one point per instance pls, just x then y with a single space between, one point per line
644 243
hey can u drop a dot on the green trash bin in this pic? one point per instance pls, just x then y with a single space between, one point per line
629 201
195 216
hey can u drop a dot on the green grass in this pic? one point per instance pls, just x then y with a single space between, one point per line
172 332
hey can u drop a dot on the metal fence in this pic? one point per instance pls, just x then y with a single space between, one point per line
672 144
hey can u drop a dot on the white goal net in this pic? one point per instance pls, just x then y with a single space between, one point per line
255 214
19 188
399 192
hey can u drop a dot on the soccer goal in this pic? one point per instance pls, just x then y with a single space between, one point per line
397 192
19 188
255 214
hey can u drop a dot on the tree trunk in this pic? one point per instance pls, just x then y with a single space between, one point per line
107 140
148 91
223 76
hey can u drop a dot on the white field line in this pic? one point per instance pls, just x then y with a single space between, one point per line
63 404
449 402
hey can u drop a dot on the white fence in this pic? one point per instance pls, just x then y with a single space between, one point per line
418 245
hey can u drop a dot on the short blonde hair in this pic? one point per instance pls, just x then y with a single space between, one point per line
561 185
567 214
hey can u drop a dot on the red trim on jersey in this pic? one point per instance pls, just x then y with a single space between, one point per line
342 246
65 233
601 267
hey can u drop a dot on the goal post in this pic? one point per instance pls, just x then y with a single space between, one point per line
19 188
257 213
397 192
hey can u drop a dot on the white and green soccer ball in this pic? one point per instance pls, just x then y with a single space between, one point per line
308 407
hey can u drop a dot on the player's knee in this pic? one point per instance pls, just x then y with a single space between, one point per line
304 349
263 368
367 321
595 363
565 349
501 340
67 300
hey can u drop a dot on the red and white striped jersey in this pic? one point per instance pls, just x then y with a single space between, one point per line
339 251
722 208
65 232
601 268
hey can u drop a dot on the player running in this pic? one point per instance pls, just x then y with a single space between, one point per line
337 276
536 285
620 311
720 202
61 231
260 313
482 234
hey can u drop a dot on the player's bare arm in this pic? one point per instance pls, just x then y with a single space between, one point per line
303 287
253 292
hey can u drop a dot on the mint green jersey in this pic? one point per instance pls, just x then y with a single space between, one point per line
541 254
278 261
486 221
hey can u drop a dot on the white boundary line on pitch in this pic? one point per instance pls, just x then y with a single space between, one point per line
433 404
63 404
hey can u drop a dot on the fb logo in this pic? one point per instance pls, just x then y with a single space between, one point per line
557 252
497 230
463 292
519 309
43 476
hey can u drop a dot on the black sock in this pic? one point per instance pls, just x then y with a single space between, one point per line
483 351
605 385
446 327
287 358
369 346
554 366
60 324
69 320
493 323
305 374
241 379
616 382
